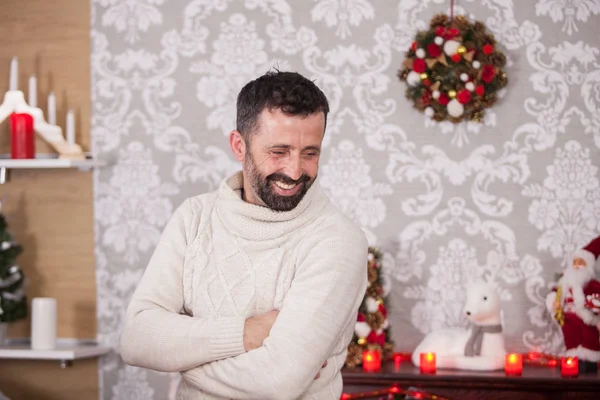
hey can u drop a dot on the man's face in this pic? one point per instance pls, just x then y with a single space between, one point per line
281 160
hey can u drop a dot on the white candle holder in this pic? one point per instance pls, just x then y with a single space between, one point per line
14 102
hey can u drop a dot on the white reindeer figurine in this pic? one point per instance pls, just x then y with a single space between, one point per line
480 348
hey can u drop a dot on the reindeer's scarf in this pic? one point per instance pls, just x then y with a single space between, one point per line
473 346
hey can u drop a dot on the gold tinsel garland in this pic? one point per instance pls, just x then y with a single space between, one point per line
453 70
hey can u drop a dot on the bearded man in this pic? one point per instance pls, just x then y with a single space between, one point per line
575 303
253 290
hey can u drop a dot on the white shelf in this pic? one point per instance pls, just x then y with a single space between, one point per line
66 351
46 161
49 163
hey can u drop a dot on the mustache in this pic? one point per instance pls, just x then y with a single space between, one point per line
277 176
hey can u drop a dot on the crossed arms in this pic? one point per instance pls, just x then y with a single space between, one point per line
220 356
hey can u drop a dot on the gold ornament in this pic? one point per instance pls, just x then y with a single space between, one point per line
461 50
361 341
452 94
423 75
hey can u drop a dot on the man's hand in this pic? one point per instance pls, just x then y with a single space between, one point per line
257 329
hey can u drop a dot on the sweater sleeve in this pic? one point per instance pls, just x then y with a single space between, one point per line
320 305
158 334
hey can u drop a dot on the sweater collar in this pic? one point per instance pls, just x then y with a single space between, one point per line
253 222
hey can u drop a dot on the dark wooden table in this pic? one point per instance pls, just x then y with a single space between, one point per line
536 383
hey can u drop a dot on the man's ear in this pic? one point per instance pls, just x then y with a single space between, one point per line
238 145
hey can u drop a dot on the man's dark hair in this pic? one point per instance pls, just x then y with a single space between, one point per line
290 92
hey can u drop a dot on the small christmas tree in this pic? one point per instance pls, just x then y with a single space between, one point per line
13 303
372 327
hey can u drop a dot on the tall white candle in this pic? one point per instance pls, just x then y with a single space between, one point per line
70 127
32 91
43 323
14 74
51 109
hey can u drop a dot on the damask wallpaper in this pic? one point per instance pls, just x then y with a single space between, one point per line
508 199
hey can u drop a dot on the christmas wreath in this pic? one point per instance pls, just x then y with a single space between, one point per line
454 70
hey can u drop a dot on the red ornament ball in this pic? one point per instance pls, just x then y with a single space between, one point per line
488 49
443 99
464 96
487 73
419 65
434 50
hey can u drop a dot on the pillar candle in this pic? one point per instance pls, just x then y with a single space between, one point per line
569 366
22 136
427 364
513 364
43 323
371 360
51 109
32 98
70 127
14 74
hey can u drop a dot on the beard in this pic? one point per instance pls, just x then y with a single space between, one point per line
577 277
263 187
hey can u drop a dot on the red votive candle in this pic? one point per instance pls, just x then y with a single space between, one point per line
22 136
427 364
371 360
513 364
397 360
569 366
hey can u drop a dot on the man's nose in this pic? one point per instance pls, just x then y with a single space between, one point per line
293 169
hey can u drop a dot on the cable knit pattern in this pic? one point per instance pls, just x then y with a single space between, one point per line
221 260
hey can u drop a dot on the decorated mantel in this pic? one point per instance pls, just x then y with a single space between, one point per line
454 72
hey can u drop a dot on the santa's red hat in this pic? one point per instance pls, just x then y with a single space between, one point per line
589 253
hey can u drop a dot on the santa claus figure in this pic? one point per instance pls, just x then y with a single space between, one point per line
575 304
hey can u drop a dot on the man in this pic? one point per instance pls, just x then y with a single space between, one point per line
575 303
253 290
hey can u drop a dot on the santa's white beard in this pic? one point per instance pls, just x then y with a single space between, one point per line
577 278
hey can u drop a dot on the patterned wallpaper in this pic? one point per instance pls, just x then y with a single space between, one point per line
509 199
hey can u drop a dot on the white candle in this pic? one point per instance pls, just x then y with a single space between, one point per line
14 74
51 109
70 127
32 91
43 323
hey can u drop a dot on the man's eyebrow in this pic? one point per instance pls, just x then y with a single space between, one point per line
282 146
314 148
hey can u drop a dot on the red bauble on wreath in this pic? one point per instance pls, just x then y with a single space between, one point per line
453 70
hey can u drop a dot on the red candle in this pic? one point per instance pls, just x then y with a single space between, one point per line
427 363
397 361
513 364
371 360
569 366
22 136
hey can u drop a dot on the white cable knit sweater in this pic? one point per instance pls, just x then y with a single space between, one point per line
221 260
